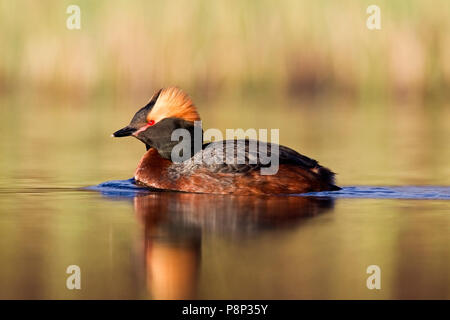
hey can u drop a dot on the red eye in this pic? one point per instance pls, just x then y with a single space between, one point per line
151 122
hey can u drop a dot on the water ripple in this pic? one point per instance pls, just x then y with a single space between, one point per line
394 192
128 188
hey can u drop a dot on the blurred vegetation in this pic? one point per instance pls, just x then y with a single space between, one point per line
298 48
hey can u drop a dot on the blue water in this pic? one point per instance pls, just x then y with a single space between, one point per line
385 192
120 188
128 188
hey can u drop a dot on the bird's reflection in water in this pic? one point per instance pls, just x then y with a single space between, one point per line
174 223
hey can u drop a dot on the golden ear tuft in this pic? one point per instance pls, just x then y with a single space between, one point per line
173 102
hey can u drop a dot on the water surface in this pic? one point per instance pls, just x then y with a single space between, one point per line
64 201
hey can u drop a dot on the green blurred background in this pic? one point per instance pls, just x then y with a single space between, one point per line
306 48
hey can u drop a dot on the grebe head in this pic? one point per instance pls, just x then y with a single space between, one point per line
168 109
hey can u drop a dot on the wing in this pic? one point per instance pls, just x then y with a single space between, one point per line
240 156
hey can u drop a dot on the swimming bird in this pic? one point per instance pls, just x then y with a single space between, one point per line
214 167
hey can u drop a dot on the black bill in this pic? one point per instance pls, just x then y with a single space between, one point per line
125 132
